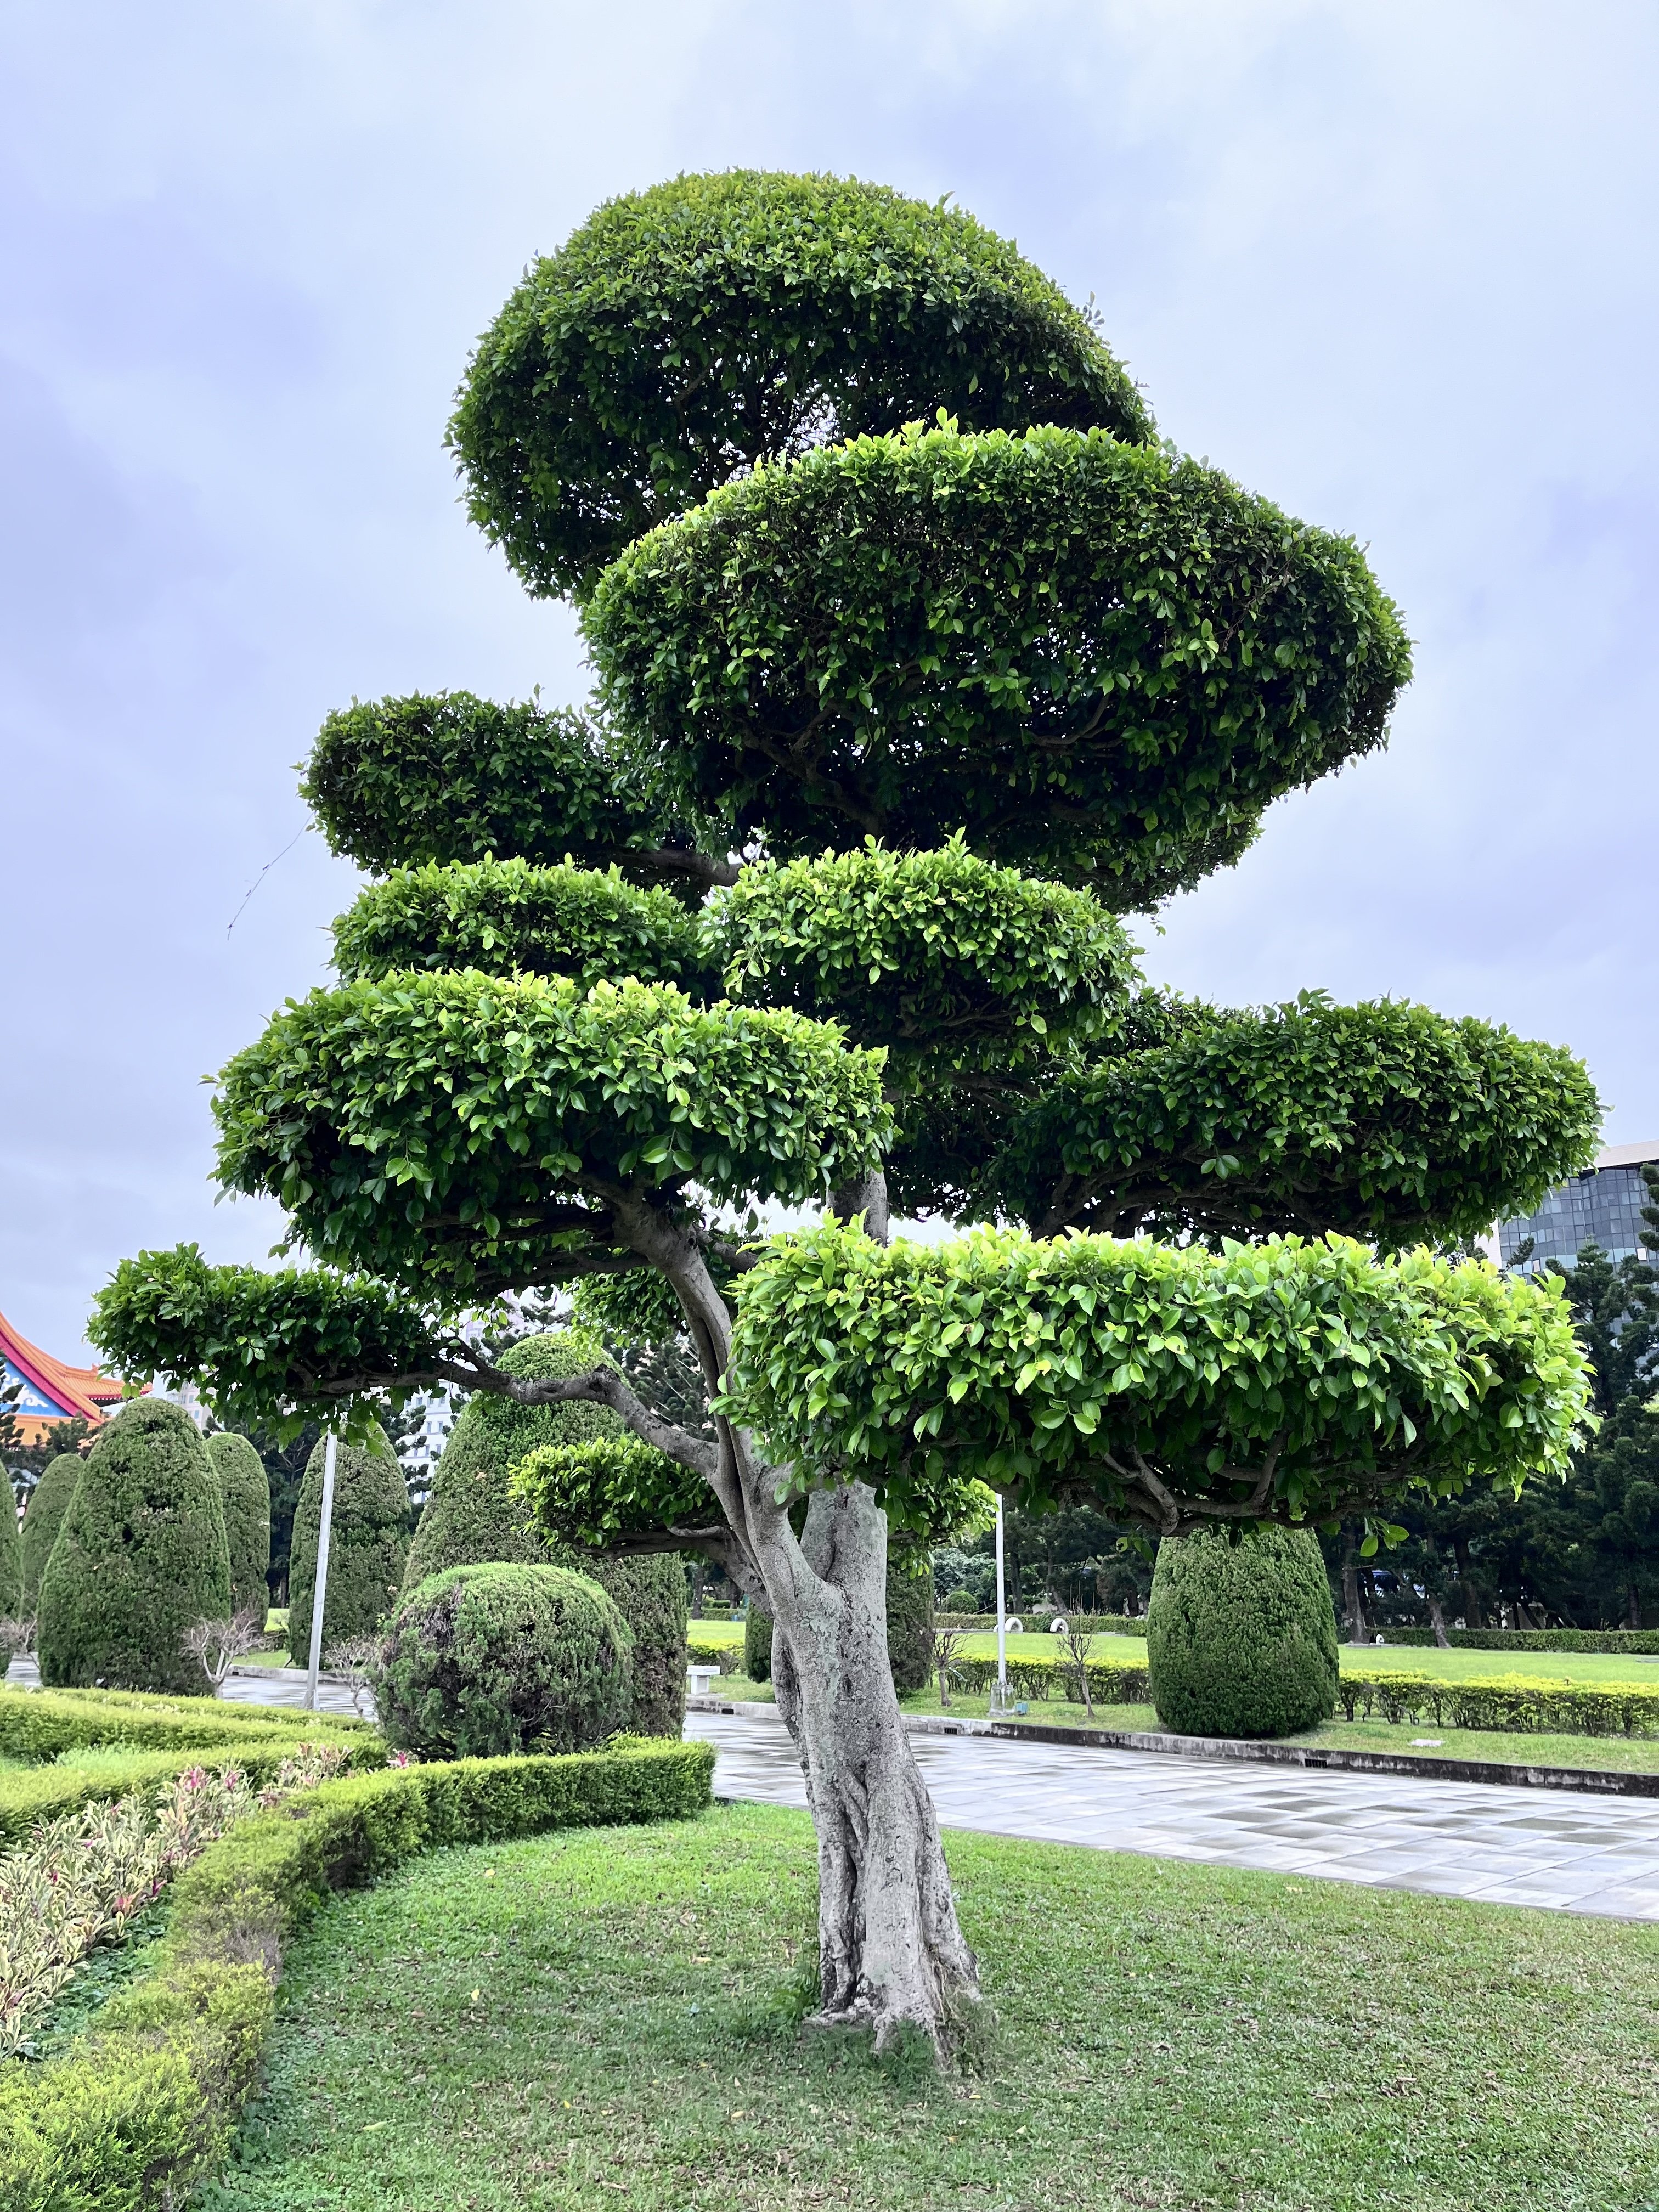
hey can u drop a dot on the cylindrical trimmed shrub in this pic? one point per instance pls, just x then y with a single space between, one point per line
910 1632
470 1515
11 1555
481 1661
1241 1636
650 1595
140 1558
368 1544
245 1488
43 1518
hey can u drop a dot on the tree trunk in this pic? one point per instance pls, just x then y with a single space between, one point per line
1471 1597
890 1953
1352 1608
1437 1622
1633 1608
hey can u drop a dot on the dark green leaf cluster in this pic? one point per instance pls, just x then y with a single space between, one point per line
140 1558
483 1662
630 1310
684 333
426 1124
1065 1368
649 1593
1241 1636
11 1555
1383 1120
245 1489
398 782
936 956
43 1518
601 1494
504 916
367 1545
258 1344
1096 659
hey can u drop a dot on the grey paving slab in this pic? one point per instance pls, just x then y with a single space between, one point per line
1384 1831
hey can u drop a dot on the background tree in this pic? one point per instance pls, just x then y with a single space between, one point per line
11 1554
246 1489
43 1518
953 664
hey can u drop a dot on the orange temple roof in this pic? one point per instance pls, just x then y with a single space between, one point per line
52 1390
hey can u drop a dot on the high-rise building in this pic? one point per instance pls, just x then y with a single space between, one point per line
1602 1205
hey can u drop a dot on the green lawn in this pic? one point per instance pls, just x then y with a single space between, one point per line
607 2017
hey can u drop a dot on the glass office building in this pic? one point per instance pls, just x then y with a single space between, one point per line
1603 1206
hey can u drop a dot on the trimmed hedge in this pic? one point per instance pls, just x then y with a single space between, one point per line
45 1793
650 1595
1506 1704
1241 1636
40 1724
758 1644
43 1516
367 1547
487 1660
149 2099
245 1487
140 1556
11 1555
1639 1642
1037 1620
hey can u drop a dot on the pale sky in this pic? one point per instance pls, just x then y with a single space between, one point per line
1393 266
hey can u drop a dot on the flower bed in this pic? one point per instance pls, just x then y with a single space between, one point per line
148 2097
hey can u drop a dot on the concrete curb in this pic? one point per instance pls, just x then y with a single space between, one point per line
1597 1781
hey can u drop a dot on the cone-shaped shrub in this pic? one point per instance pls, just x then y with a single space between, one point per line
368 1544
472 1517
245 1489
140 1556
1241 1637
11 1555
43 1518
483 1661
910 1632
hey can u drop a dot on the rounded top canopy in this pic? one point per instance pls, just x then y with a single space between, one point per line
684 333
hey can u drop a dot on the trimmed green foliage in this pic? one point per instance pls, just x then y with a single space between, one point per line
1636 1643
503 917
482 1662
933 954
477 1096
1503 1702
245 1489
11 1553
369 1543
650 1595
758 1644
1383 1121
1062 1365
43 1518
32 1794
1021 637
47 1724
398 782
149 2101
599 1494
1241 1635
472 1515
683 332
140 1558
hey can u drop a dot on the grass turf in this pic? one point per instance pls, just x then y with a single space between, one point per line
608 2017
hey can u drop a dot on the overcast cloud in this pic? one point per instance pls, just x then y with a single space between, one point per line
1393 266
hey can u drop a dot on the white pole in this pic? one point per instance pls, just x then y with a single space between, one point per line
319 1595
1002 1620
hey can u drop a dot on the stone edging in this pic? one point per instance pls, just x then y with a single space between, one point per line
1602 1781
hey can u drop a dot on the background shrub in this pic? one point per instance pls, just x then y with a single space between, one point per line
367 1547
1241 1637
910 1632
484 1661
140 1556
650 1595
245 1489
960 1600
758 1644
11 1555
44 1519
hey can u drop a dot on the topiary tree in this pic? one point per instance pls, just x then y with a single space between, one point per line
1240 1635
245 1487
482 1662
369 1543
141 1557
11 1553
951 664
43 1516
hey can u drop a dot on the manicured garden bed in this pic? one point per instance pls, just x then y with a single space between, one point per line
611 2018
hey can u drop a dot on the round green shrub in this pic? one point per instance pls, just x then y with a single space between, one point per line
910 1632
141 1557
960 1600
245 1488
1241 1637
368 1544
485 1661
43 1518
11 1555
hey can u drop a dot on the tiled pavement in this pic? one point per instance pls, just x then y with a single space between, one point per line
1511 1846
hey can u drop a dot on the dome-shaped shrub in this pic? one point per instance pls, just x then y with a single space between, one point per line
484 1661
1241 1637
140 1558
368 1544
245 1489
472 1516
43 1518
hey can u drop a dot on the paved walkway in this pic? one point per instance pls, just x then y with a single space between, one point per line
1571 1854
264 1685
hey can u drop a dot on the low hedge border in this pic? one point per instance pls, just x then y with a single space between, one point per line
1504 1703
128 2118
1639 1642
48 1792
1036 1622
39 1724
